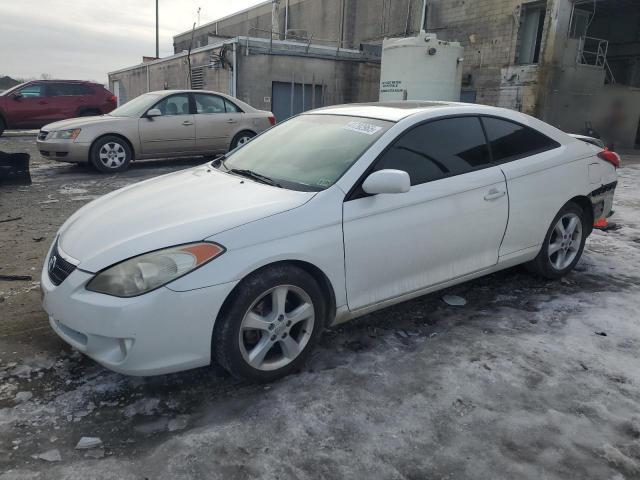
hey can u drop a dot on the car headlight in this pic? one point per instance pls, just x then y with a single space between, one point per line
66 134
152 270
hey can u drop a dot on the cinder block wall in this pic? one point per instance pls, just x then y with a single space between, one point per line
488 29
363 21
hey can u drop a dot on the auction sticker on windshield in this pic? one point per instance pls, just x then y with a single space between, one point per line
363 127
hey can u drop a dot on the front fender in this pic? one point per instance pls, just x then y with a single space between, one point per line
311 233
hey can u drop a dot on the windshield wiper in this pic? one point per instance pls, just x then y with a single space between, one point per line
255 176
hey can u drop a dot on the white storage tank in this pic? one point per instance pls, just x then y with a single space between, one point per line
421 68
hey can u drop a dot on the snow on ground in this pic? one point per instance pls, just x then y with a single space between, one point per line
531 379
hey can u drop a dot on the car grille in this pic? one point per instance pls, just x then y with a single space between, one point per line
42 135
59 269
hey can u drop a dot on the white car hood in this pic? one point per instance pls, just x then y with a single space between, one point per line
83 122
181 207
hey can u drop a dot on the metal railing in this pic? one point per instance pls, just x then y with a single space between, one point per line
593 51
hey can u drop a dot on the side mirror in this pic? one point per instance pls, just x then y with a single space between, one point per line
17 96
154 112
387 181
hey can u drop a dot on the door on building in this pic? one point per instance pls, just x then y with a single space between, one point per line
116 91
289 99
530 33
173 132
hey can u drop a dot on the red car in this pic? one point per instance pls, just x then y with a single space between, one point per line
35 104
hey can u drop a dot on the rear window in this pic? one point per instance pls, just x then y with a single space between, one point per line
510 141
231 107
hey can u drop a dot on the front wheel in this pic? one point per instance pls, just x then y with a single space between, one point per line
111 154
271 324
563 244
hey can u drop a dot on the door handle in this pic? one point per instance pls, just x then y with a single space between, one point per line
231 120
494 194
186 123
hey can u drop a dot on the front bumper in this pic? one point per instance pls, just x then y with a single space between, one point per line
160 332
64 150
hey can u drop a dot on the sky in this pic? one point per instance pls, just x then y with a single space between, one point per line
85 39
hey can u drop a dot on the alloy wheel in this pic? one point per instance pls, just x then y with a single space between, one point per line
242 140
112 155
565 240
276 328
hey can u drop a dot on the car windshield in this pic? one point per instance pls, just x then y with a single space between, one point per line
137 106
309 152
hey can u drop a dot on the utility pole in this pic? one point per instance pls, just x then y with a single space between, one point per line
157 33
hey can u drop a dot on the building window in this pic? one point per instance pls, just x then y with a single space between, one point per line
530 33
579 24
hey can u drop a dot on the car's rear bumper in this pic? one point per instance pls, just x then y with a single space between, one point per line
64 150
602 201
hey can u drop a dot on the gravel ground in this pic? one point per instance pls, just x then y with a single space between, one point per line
531 379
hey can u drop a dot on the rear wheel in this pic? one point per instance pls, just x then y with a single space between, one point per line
271 324
2 126
241 138
563 244
111 154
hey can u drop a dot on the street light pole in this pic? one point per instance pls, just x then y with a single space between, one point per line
157 33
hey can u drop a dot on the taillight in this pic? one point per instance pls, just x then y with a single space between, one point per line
113 99
272 120
612 157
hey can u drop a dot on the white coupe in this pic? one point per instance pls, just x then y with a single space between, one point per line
328 216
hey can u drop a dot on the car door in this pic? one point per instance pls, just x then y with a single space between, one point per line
449 224
63 103
214 125
539 179
31 108
171 133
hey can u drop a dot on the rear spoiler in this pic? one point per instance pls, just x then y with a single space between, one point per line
591 140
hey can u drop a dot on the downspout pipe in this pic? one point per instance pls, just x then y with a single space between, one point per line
423 18
286 19
235 68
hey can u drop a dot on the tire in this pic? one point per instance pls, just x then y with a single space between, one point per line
241 138
562 247
279 344
111 154
2 126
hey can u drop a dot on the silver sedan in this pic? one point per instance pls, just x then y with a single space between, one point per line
168 123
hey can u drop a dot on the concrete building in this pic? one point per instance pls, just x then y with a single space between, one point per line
573 63
282 76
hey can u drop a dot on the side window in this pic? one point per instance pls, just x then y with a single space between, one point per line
438 149
208 103
174 105
74 89
32 91
59 90
510 141
231 107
